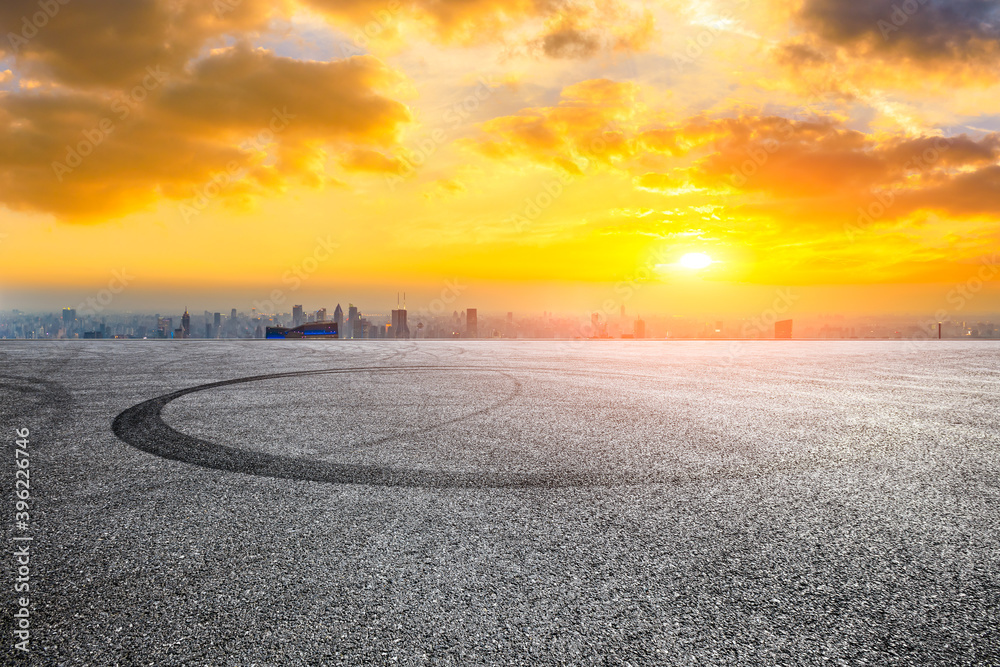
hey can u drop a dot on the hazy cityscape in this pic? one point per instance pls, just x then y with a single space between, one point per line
356 323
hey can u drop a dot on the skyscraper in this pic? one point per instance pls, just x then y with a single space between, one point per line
217 320
232 315
471 323
321 315
338 317
297 315
358 325
186 324
352 320
399 326
640 328
164 325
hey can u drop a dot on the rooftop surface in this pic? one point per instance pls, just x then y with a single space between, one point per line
484 502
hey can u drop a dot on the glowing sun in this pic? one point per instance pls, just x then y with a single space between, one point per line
695 260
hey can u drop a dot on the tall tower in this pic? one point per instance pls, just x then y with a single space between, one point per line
297 317
471 323
338 317
186 324
352 319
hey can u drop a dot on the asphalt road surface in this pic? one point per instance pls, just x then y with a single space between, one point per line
506 503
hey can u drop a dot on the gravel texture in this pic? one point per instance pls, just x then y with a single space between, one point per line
508 503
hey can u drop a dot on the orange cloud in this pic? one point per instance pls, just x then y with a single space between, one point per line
257 119
112 42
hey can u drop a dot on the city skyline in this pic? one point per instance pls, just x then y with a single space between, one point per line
773 323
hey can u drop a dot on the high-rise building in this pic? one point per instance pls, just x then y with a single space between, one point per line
321 315
69 315
471 323
297 318
338 317
232 315
783 329
399 326
164 325
640 328
217 320
352 320
185 324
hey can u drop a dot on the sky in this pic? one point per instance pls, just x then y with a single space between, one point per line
528 155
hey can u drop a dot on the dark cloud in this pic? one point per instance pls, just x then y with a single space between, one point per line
112 42
918 30
569 42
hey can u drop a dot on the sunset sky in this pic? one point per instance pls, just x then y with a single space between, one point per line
537 153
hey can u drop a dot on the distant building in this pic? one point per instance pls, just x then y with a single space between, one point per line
640 328
217 320
185 324
232 315
352 321
338 317
471 323
399 327
783 329
69 315
164 325
297 318
358 323
313 331
321 315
